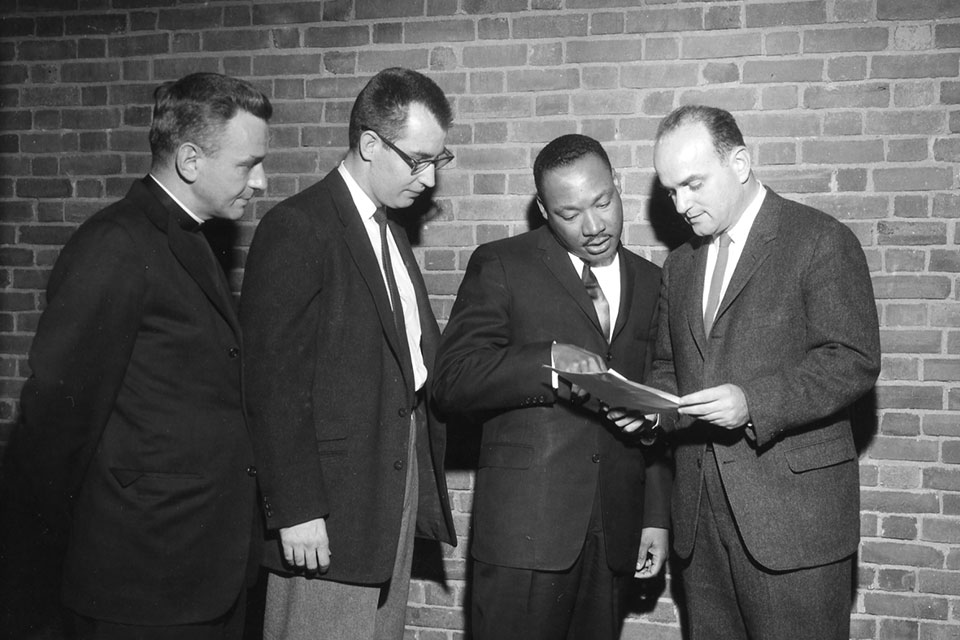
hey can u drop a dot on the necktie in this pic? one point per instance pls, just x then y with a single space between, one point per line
716 282
599 300
381 219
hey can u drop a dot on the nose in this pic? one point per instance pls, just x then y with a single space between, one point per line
680 201
257 178
428 177
592 224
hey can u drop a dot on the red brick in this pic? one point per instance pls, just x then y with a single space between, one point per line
43 188
439 31
822 97
784 13
374 61
496 106
946 260
846 68
783 71
911 233
761 125
900 554
333 37
897 579
552 105
777 153
947 36
841 151
906 150
731 99
583 51
842 124
542 131
900 424
845 40
287 13
721 17
493 29
664 20
885 448
782 43
790 180
550 26
916 9
720 46
659 75
495 55
383 9
606 24
915 65
493 6
943 530
909 397
913 179
605 102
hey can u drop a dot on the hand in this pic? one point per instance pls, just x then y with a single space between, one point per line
724 406
653 552
630 421
306 545
568 357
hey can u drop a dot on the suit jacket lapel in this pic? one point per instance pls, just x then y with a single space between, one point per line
557 261
693 292
755 251
193 252
358 244
627 282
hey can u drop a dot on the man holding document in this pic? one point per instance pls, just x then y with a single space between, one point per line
568 502
768 331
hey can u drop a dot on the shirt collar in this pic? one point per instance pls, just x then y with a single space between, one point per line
365 206
741 229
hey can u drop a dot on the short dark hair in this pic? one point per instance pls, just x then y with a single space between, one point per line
197 107
720 124
564 151
383 105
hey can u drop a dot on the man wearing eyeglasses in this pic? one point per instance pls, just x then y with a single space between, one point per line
341 338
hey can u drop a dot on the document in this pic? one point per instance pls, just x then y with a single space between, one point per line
615 391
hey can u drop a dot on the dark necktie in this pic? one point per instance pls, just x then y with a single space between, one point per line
394 291
716 282
599 300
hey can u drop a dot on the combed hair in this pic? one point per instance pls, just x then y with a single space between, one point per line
383 105
720 124
197 107
564 151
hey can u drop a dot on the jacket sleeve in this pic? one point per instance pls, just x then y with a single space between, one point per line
478 367
78 358
280 316
842 358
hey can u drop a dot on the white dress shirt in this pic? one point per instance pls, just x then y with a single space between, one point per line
408 297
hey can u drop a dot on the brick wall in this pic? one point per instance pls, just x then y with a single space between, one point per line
852 106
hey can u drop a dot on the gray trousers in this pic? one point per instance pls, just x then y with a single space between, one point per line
299 608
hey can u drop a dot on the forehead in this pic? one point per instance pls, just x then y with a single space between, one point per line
688 148
245 134
421 134
585 177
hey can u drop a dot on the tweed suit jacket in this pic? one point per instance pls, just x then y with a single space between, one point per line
797 331
135 443
542 459
329 394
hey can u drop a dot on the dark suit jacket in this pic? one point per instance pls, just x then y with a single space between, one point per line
542 459
797 331
134 441
329 399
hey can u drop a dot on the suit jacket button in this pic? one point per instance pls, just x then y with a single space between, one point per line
252 471
609 357
402 412
595 457
398 465
234 352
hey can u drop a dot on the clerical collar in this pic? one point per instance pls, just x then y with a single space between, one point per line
197 219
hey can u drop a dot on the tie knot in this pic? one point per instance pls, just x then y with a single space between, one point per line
724 239
380 216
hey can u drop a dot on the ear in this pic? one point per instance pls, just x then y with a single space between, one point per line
188 160
368 144
617 182
543 210
740 160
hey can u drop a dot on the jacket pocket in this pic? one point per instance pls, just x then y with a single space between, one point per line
332 447
821 454
507 455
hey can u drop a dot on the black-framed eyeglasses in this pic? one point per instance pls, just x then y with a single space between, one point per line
416 166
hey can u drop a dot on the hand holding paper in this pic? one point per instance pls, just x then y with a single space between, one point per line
613 390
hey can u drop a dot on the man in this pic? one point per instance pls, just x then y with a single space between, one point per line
134 444
341 339
769 333
563 488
